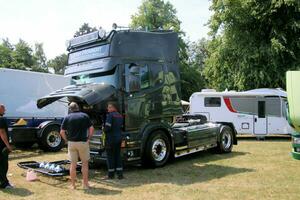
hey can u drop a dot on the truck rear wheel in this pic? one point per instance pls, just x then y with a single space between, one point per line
51 139
226 140
157 150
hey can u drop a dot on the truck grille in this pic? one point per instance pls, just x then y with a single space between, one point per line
96 141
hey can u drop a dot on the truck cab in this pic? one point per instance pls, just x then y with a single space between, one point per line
292 86
139 71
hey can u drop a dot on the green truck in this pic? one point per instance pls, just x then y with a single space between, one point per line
292 86
139 71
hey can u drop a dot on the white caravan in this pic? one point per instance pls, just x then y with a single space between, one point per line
259 112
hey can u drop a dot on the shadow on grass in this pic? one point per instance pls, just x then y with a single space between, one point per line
63 182
101 191
190 169
187 170
22 154
19 154
21 192
208 156
273 138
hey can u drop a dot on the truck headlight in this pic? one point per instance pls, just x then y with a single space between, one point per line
296 140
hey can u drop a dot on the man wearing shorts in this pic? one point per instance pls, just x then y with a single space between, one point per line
77 129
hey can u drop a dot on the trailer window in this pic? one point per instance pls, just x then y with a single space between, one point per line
285 108
273 106
244 104
261 109
212 102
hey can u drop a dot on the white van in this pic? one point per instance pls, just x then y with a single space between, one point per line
259 112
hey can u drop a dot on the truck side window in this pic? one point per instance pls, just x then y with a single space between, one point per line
137 77
144 72
212 101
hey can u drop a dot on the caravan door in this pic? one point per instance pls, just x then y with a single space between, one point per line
260 120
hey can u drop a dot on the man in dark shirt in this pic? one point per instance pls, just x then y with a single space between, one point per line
113 138
5 148
77 129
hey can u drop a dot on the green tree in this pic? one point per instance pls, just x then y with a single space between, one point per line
58 63
84 29
5 56
197 53
22 55
6 43
40 57
157 15
253 43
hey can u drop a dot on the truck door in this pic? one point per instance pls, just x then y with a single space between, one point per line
136 82
260 120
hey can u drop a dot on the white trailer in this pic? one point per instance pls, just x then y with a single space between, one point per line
259 112
19 91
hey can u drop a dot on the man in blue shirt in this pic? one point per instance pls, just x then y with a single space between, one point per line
77 129
5 148
113 138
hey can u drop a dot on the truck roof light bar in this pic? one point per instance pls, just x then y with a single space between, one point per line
86 38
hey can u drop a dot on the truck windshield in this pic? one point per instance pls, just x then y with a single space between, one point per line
108 77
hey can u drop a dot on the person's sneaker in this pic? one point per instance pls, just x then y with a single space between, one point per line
9 186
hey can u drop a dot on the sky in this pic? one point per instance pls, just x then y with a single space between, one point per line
52 22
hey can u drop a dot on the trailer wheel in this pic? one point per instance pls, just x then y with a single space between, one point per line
51 139
157 150
226 140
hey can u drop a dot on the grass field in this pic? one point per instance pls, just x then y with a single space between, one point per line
254 170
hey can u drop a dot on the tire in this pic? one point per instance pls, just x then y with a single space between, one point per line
225 142
157 150
24 145
51 139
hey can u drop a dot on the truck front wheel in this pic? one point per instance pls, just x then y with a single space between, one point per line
226 140
51 139
157 150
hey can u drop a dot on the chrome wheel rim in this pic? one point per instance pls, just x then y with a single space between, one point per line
226 140
53 139
159 150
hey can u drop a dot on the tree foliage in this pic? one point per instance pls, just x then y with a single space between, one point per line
21 56
39 54
161 15
84 29
197 53
253 43
58 63
5 55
